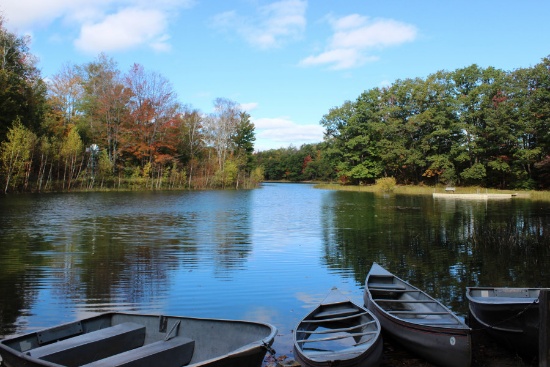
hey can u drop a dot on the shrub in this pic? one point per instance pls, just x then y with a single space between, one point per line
386 184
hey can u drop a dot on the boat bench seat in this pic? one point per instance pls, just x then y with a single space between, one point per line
91 346
387 286
175 352
496 300
339 312
442 321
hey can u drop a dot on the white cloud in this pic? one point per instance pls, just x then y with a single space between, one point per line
248 106
340 58
355 37
273 133
26 14
96 21
128 28
271 26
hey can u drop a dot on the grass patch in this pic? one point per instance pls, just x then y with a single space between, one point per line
429 190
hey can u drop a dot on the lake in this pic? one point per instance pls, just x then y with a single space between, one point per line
269 254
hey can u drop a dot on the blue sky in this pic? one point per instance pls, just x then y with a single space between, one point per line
286 62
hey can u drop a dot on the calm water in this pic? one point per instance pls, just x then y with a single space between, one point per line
267 255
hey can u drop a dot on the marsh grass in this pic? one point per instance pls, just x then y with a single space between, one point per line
429 190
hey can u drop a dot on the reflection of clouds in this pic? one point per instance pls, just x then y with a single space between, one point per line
261 314
312 300
309 300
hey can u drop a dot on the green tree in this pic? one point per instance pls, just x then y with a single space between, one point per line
532 102
357 143
71 153
243 136
16 156
243 140
22 90
104 106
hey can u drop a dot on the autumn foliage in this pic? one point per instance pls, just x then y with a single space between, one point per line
93 126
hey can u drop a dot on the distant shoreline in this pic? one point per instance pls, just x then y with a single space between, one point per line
460 192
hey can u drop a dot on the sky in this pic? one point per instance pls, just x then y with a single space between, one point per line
287 62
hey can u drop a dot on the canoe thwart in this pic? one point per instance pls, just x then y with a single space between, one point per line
404 300
332 319
379 290
174 352
330 331
438 322
89 347
336 312
386 286
343 336
418 312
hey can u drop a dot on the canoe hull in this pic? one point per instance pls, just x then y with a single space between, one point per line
217 343
372 358
509 315
440 347
338 332
446 345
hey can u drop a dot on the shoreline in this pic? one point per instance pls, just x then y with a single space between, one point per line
437 195
439 191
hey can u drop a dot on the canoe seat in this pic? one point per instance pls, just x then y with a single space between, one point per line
386 286
89 347
175 352
336 312
443 321
512 300
334 318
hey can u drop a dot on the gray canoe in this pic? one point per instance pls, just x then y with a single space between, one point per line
338 332
132 340
510 315
417 321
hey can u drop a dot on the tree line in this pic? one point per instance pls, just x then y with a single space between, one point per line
92 126
471 126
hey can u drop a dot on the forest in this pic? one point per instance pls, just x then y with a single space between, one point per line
95 127
472 126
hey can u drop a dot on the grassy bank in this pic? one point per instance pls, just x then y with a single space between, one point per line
427 190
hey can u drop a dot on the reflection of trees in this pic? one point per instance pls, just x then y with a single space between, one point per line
17 292
231 235
439 246
113 256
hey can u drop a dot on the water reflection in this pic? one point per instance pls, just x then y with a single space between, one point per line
441 246
269 254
